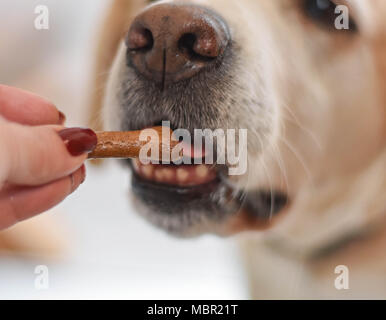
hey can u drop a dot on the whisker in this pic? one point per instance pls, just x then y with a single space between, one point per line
266 172
298 157
277 156
296 121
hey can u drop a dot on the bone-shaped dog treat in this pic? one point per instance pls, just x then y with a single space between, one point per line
127 144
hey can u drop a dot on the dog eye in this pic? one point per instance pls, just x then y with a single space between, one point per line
323 13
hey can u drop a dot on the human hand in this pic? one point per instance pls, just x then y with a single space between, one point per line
41 161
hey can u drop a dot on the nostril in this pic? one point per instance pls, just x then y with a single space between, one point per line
186 44
196 48
140 39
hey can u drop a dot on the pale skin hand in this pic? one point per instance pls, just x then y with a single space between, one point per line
36 170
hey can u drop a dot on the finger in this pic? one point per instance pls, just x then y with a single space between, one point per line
27 108
37 155
18 204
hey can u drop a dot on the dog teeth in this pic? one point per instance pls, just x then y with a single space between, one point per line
182 175
189 175
148 171
159 175
136 165
168 174
202 171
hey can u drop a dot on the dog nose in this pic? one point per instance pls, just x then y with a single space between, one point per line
172 42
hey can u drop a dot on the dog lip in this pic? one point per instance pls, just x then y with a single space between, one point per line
175 192
194 152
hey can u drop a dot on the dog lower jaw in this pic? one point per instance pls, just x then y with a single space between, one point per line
210 206
183 211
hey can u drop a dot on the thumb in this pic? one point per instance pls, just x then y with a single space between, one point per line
38 155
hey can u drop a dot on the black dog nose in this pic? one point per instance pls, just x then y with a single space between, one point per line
173 42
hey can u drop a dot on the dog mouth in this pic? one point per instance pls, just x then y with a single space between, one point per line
191 199
180 178
177 188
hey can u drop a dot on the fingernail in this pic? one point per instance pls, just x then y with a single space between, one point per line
62 117
83 172
78 140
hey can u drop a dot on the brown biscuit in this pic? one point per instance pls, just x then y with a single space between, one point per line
128 145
